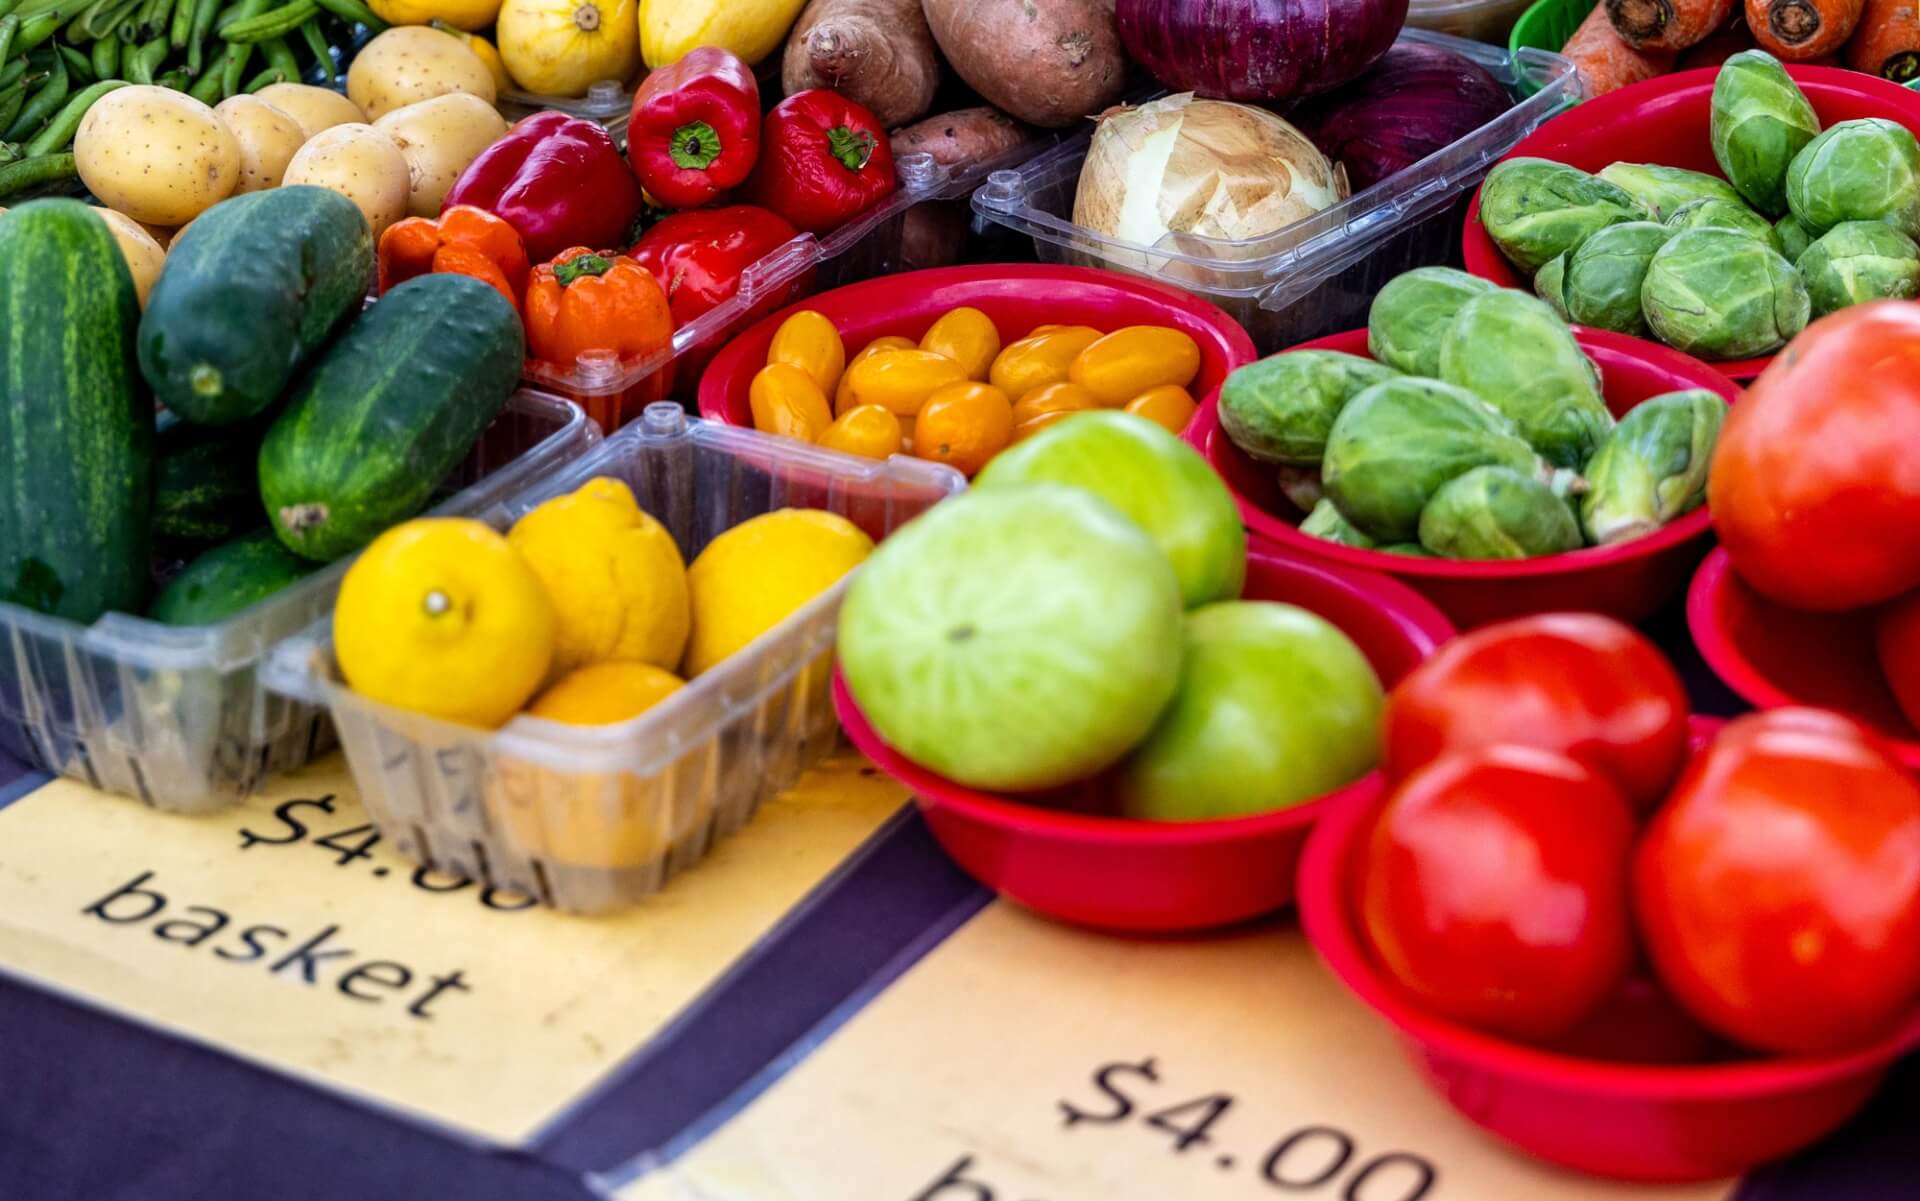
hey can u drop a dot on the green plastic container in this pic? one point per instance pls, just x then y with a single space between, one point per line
1547 26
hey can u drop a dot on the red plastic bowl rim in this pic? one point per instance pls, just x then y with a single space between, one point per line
1206 425
1425 625
1325 917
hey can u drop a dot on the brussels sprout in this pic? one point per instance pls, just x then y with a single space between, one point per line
1279 409
1858 261
1550 285
1509 349
1653 467
1605 274
1497 513
1411 315
1326 521
1661 190
1535 209
1411 549
1792 237
1396 443
1866 170
1722 295
1760 120
1301 485
1719 214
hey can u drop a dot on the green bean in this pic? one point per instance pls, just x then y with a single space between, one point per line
147 60
103 21
280 58
36 111
16 72
6 9
35 31
58 134
79 66
8 153
27 172
152 18
318 46
9 29
206 89
29 9
271 24
236 55
204 11
182 28
174 80
353 12
267 78
10 101
106 58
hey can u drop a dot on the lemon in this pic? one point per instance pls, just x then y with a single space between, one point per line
752 577
616 579
601 694
442 617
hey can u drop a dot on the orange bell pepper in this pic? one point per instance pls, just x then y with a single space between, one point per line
584 300
464 240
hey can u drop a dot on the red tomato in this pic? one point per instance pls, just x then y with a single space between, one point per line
1900 654
1641 1023
1581 684
1778 891
1495 890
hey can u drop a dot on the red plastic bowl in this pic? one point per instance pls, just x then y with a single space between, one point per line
1666 121
1124 874
1631 1121
1772 655
1628 581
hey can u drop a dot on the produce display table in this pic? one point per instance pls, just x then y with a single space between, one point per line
825 1009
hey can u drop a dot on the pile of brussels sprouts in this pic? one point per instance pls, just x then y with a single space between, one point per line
1476 431
1804 223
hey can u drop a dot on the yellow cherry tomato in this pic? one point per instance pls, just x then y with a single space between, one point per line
809 341
968 337
963 425
1037 330
865 430
1053 398
1033 425
786 401
1040 359
1129 361
843 392
901 380
1169 406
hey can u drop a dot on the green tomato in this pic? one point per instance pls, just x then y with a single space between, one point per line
1760 121
1535 209
1723 295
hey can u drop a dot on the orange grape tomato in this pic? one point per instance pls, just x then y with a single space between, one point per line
1040 359
1037 330
964 425
809 341
865 430
1129 361
968 337
1033 425
786 401
901 380
1168 406
1053 398
886 342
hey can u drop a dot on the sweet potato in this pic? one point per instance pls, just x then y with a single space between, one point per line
1047 62
1606 63
1888 40
1800 30
879 53
1667 25
962 138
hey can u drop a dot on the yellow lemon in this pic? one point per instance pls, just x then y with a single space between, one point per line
601 694
616 579
752 577
441 617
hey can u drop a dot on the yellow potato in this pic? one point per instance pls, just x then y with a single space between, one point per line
268 140
439 137
159 156
314 108
360 163
411 63
143 253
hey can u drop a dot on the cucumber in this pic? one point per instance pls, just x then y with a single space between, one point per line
392 406
248 295
206 481
227 579
76 471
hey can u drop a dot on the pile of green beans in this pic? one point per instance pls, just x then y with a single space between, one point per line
59 56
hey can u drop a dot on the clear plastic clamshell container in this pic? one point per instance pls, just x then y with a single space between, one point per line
1479 20
590 819
175 715
1316 276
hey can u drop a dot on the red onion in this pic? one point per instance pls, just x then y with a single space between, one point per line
1417 100
1255 50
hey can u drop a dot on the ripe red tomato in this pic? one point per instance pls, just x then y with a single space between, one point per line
1581 684
1778 891
1641 1023
1495 890
1900 654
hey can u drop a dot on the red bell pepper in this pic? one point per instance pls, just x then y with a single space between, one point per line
699 256
823 160
695 130
557 179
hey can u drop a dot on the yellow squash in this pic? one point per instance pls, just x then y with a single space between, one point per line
562 47
484 51
752 29
461 14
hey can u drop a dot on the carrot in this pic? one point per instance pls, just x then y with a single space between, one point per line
1799 30
1605 62
1670 25
1888 40
1720 47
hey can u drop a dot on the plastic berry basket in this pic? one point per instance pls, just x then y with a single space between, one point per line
592 819
176 716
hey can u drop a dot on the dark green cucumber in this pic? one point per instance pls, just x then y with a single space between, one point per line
76 435
206 480
391 407
248 295
227 579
